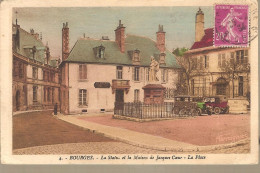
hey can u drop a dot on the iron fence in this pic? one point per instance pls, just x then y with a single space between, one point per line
146 111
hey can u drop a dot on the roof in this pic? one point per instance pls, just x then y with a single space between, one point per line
206 41
83 52
25 41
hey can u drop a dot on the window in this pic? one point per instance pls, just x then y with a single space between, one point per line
221 60
20 70
48 94
35 93
52 94
136 73
206 64
99 51
119 72
201 62
35 73
241 56
147 74
136 95
82 71
194 63
47 76
164 75
221 86
44 94
136 56
52 76
82 97
240 86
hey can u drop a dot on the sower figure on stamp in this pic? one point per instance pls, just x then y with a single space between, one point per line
154 68
228 22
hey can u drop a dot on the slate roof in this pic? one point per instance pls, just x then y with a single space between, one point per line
83 52
26 42
206 41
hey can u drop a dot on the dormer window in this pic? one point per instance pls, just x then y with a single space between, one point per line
162 58
136 55
100 51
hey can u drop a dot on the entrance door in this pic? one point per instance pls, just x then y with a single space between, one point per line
240 86
119 104
17 99
119 95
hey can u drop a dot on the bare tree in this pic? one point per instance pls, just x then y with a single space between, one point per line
188 69
233 68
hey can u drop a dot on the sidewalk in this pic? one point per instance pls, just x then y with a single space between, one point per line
21 112
141 139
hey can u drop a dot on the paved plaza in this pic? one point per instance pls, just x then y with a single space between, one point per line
42 133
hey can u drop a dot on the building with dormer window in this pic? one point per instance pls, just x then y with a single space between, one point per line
96 73
217 71
35 73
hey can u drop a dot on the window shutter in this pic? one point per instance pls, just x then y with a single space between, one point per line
207 63
133 73
200 63
167 75
85 71
223 60
162 75
246 56
141 73
219 60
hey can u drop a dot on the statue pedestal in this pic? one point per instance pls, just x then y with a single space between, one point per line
153 93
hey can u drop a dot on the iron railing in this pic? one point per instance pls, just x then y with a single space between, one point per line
146 111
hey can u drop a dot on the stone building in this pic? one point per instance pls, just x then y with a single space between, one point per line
96 73
35 73
216 71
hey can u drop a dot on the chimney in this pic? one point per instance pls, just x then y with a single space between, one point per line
120 36
36 35
199 26
160 39
47 54
65 41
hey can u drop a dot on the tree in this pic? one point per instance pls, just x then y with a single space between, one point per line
188 69
234 67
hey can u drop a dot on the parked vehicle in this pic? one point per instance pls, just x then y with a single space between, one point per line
185 106
217 104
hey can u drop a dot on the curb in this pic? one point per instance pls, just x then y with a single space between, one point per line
165 148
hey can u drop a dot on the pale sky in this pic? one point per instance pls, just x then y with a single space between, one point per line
95 22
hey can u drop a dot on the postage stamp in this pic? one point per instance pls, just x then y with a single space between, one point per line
231 25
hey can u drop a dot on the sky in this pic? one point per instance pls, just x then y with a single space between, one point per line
95 22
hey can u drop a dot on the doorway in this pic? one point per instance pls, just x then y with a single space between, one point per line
17 99
119 101
240 86
119 96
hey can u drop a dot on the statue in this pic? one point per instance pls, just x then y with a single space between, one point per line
154 68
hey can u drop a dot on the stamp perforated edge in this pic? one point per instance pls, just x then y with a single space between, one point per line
248 30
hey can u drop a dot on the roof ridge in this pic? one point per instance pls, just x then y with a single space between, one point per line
141 37
94 39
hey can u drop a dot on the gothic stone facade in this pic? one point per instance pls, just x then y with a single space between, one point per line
35 74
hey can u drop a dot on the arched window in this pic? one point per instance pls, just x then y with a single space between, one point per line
221 86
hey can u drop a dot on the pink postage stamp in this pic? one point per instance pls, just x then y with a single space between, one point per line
231 25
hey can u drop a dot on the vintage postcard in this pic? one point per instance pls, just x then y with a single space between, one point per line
129 82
